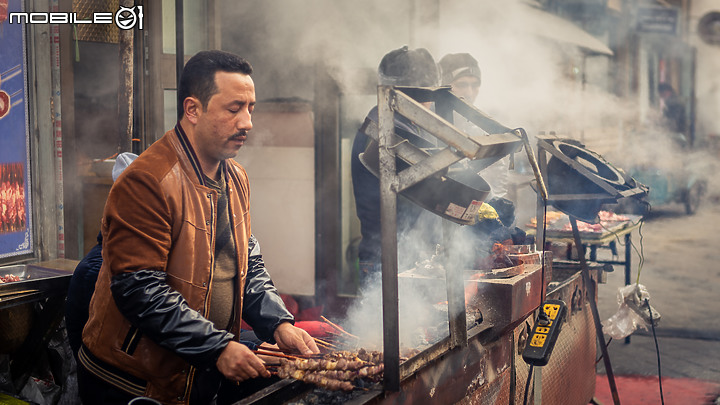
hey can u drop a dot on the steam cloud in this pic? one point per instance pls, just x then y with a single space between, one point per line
528 81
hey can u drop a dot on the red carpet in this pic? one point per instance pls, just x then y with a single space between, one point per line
640 390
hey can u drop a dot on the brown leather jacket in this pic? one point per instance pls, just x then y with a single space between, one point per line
158 229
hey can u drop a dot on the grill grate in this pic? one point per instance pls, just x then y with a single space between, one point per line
107 33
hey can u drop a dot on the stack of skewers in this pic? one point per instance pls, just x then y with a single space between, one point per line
333 369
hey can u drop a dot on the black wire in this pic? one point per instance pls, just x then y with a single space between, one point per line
601 355
657 352
527 385
641 253
542 288
542 249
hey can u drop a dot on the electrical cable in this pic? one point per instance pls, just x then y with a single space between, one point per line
527 385
542 288
657 351
542 249
641 253
606 346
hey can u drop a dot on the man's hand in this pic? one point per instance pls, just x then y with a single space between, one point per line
288 337
238 363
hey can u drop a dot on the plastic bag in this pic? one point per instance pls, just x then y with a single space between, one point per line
40 391
634 311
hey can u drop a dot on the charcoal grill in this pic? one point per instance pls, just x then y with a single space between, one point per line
489 369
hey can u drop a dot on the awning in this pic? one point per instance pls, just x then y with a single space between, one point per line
550 26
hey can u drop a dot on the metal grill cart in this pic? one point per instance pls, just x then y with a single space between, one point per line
407 102
478 361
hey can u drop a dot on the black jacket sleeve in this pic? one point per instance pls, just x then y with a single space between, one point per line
263 308
164 316
80 291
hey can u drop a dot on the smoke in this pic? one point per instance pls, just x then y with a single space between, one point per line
422 292
420 310
534 76
529 80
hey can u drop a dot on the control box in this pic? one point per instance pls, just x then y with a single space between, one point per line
544 334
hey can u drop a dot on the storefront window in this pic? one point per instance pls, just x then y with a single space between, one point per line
194 25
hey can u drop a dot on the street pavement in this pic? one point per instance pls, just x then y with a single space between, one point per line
681 270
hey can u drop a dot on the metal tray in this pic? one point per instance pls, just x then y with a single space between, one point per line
36 280
555 230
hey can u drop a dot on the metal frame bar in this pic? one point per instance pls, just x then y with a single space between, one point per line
439 127
613 194
388 235
590 286
545 146
406 101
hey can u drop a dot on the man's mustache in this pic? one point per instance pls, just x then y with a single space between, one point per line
242 133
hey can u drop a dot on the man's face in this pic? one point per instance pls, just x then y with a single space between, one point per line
221 128
466 87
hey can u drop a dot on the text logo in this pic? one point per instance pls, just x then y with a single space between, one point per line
125 18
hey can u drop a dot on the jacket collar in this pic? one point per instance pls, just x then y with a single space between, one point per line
192 156
190 152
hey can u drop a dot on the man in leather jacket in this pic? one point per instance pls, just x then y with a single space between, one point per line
181 268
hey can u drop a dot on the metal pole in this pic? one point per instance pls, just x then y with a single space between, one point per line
457 316
125 92
58 135
179 47
590 290
628 266
388 234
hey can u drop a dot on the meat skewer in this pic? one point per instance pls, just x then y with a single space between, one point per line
275 354
287 352
317 379
325 364
272 349
324 343
335 371
339 328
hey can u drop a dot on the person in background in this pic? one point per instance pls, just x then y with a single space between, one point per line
461 72
181 267
673 109
82 283
399 67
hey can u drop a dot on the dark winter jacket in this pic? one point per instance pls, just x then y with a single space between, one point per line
80 291
148 332
366 188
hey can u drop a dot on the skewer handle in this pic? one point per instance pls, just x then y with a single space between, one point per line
274 354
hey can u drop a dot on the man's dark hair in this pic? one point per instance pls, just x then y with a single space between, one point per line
198 76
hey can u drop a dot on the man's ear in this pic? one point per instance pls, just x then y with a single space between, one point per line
192 109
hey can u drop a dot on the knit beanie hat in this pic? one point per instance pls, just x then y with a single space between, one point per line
122 161
408 67
456 65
